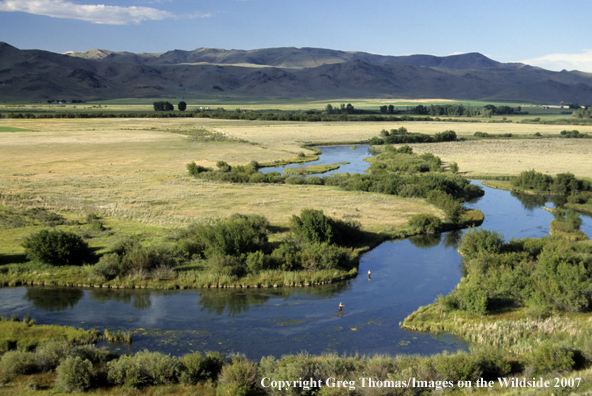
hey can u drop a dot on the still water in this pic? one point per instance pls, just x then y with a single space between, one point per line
332 154
259 322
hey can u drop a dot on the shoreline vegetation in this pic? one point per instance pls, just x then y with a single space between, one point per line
518 298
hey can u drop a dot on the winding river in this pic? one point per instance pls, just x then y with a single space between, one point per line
259 322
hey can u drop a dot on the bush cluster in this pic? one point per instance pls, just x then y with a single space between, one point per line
546 272
401 136
57 248
129 257
236 375
562 183
238 245
425 223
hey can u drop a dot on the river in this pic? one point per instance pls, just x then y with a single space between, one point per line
260 322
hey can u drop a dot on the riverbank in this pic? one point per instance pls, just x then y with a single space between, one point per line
187 277
519 302
63 366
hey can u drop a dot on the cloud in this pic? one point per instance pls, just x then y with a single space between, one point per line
99 14
581 61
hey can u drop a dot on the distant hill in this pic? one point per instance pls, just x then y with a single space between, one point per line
280 73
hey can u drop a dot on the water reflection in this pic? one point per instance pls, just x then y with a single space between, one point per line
139 299
452 238
236 302
53 299
530 202
426 241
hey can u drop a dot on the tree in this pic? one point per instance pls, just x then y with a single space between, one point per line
57 248
349 108
182 106
329 109
383 109
391 109
163 106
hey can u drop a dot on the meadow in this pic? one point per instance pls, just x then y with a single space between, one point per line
132 171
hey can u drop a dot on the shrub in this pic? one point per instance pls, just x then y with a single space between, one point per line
312 225
158 368
195 169
474 299
110 266
426 222
457 367
492 362
57 248
94 354
549 357
239 234
18 362
453 167
256 262
124 371
192 368
74 374
476 241
50 355
196 367
286 257
227 265
237 378
319 256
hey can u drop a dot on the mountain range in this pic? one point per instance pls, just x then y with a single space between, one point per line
275 73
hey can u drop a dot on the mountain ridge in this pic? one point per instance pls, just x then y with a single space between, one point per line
284 72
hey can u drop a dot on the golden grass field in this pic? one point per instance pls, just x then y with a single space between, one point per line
132 171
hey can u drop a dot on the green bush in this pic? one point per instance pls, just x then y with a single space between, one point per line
239 234
51 354
549 358
195 169
476 241
256 262
109 267
426 223
74 374
158 368
474 299
492 362
193 368
286 257
453 167
313 226
18 362
57 248
227 265
320 256
93 354
237 378
125 371
457 367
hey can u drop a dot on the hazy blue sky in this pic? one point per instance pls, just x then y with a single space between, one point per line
550 34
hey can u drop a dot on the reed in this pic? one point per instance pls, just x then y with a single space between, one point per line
120 337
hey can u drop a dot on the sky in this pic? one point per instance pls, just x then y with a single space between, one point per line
550 34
